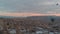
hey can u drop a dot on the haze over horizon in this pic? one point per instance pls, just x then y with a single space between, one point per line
29 7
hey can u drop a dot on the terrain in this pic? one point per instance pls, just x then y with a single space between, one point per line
51 23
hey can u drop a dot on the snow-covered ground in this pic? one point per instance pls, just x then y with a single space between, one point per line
12 31
41 31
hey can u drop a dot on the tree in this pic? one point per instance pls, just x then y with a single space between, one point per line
52 19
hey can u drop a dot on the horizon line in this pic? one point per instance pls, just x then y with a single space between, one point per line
27 14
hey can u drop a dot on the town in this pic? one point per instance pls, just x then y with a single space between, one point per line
27 26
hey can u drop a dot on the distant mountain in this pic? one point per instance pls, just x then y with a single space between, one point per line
45 19
6 17
12 17
42 17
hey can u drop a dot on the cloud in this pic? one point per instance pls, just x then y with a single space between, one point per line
51 12
29 6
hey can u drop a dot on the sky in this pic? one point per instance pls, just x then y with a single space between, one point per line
29 7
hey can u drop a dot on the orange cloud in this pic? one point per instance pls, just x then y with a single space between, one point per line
27 14
20 14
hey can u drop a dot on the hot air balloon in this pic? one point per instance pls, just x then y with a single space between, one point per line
57 4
